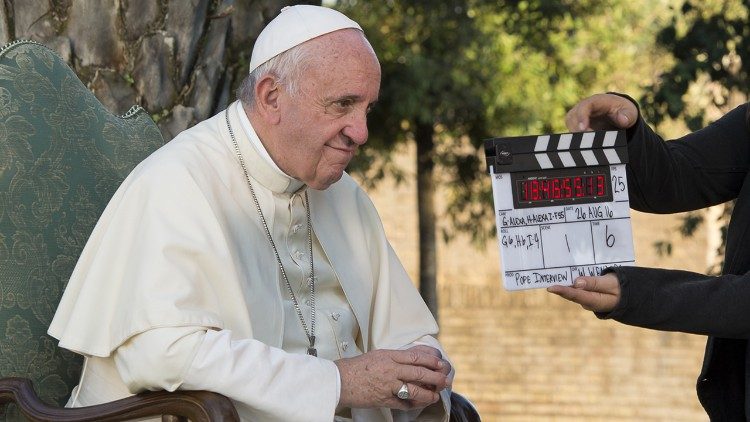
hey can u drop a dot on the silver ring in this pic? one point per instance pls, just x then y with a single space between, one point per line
403 392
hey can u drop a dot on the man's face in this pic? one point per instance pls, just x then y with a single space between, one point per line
324 123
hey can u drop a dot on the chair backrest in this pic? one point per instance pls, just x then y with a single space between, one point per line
62 156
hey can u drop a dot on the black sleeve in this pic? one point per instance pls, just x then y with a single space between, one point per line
701 169
673 300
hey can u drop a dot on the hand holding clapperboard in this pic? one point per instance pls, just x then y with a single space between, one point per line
561 206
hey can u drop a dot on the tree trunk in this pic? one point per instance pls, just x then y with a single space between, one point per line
426 209
179 59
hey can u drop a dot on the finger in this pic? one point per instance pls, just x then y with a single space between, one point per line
621 118
600 112
577 118
598 294
447 368
624 114
399 403
422 397
589 112
607 283
418 396
444 366
591 301
427 349
428 387
421 375
415 356
611 111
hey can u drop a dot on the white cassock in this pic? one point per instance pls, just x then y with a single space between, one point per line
178 286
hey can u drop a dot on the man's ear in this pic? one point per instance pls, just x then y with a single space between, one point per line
267 92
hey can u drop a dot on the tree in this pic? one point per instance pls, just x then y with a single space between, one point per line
710 41
431 91
178 59
456 72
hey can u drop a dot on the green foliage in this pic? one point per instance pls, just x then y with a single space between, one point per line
436 65
710 40
690 224
474 69
430 74
663 248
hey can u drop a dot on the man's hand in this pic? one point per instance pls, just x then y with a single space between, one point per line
373 379
598 294
446 368
601 112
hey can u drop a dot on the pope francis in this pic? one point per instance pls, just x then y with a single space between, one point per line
240 258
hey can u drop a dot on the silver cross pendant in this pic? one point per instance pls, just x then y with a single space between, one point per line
311 350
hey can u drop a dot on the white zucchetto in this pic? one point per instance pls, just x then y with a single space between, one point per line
293 26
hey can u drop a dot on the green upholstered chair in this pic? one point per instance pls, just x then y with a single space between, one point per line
62 156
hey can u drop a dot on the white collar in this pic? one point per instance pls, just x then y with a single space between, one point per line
255 140
262 168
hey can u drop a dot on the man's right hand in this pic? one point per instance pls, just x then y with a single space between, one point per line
374 378
597 294
601 112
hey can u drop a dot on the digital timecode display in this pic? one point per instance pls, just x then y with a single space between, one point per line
544 188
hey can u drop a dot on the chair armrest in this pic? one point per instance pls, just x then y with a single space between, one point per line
198 406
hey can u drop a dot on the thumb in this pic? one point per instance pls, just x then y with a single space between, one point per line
608 283
624 117
588 283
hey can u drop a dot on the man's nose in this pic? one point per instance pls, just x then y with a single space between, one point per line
356 130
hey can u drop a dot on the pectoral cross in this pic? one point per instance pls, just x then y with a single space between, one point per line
311 350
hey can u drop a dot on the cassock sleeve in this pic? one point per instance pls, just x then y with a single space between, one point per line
268 383
400 317
399 303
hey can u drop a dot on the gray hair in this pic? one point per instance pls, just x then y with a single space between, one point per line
287 67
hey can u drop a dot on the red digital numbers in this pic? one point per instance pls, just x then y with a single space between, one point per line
568 187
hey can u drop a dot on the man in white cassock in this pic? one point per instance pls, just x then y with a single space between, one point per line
240 258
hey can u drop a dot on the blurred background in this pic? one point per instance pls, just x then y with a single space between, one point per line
454 73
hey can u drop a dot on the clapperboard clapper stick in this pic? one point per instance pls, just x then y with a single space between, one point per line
561 206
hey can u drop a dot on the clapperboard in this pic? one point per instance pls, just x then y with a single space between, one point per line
561 206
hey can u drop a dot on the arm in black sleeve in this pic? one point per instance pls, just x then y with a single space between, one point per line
701 169
673 300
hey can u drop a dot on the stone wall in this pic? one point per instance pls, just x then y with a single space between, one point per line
179 59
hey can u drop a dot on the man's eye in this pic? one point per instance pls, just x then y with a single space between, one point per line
345 103
340 106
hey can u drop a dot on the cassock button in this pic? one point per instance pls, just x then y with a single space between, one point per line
296 228
344 345
335 316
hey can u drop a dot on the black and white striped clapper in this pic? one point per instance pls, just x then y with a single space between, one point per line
555 151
